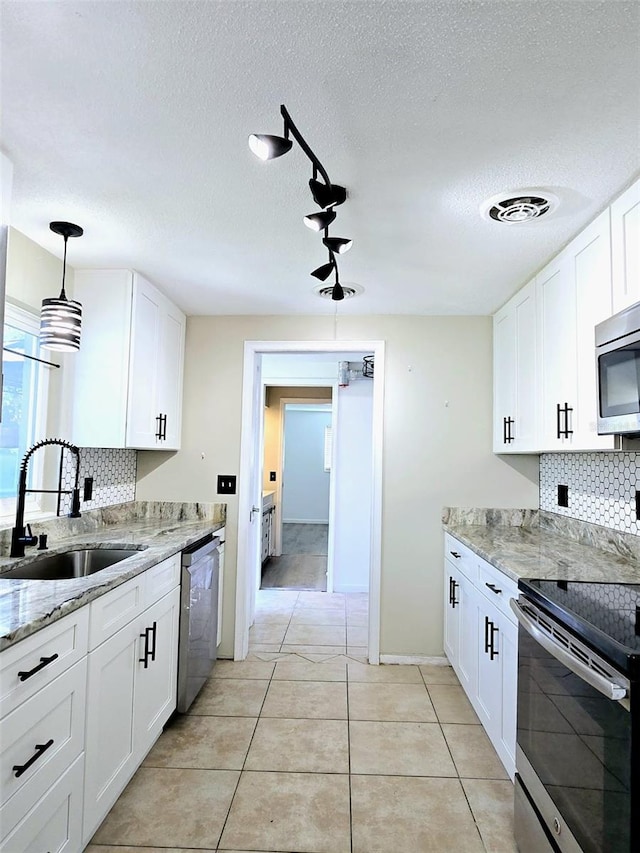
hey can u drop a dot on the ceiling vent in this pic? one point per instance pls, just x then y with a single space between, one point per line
350 290
514 208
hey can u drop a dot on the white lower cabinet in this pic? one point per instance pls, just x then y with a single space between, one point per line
221 534
131 694
481 642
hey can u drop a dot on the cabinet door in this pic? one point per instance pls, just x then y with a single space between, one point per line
170 370
504 376
451 615
556 333
156 681
221 534
625 247
524 430
142 406
468 636
506 734
589 256
488 694
110 751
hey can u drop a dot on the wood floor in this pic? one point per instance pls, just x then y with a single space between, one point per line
303 564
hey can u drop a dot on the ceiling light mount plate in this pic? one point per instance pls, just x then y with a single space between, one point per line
518 207
350 289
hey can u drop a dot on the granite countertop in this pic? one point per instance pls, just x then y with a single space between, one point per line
28 605
532 544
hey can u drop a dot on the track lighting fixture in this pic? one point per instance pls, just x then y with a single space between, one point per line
320 221
324 271
327 195
268 147
61 318
339 245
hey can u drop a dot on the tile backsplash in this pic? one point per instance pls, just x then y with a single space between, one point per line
602 487
114 476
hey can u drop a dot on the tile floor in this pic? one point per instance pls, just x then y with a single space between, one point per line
317 752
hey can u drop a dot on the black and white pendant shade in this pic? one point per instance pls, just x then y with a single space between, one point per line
61 318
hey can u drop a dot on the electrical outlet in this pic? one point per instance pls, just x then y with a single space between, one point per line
272 476
88 489
563 495
226 484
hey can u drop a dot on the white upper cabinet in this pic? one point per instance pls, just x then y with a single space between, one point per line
128 372
573 294
514 371
625 248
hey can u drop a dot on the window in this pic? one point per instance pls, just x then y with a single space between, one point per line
24 400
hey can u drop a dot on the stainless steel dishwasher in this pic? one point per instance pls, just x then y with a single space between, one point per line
197 647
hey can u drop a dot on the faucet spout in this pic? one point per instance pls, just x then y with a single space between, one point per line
21 537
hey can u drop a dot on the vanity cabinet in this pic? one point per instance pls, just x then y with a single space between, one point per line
514 374
481 642
42 726
132 677
625 248
127 385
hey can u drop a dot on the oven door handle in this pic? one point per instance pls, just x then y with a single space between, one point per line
608 688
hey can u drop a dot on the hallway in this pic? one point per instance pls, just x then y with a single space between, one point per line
303 563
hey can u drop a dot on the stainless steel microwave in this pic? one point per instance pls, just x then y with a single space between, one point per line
618 373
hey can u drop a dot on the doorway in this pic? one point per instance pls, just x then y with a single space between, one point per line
251 481
296 488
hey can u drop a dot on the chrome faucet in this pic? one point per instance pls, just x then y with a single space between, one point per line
21 537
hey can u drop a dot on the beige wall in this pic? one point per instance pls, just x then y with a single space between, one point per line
273 425
437 447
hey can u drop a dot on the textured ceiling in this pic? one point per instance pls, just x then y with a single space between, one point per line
131 119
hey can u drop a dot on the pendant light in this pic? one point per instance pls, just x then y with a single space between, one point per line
61 318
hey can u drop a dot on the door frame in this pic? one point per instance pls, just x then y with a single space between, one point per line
254 350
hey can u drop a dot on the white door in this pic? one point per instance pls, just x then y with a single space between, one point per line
142 408
170 370
155 697
625 247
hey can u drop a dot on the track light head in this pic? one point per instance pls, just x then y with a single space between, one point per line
268 147
320 221
327 195
338 245
337 294
324 271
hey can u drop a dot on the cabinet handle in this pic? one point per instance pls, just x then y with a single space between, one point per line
489 631
454 600
504 431
159 426
145 659
163 427
493 588
153 630
563 410
455 554
509 424
486 635
492 650
41 748
22 675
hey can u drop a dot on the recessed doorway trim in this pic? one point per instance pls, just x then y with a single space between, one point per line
247 546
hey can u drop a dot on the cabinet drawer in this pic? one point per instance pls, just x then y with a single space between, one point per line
54 824
46 654
463 558
161 579
115 609
497 587
53 719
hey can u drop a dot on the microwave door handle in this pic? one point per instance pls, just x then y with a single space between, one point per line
608 688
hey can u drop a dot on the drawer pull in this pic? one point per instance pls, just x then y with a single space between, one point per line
41 748
494 588
455 554
43 662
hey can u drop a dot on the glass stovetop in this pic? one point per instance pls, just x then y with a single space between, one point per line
607 615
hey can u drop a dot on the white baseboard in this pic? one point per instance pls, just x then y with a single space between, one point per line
350 587
305 521
414 659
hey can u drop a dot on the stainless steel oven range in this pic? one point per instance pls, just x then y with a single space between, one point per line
577 787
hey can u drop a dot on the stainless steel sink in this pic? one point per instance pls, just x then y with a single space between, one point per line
72 564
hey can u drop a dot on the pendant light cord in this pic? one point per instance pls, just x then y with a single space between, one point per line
63 295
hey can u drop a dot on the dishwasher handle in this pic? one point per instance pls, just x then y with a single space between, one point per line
200 550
